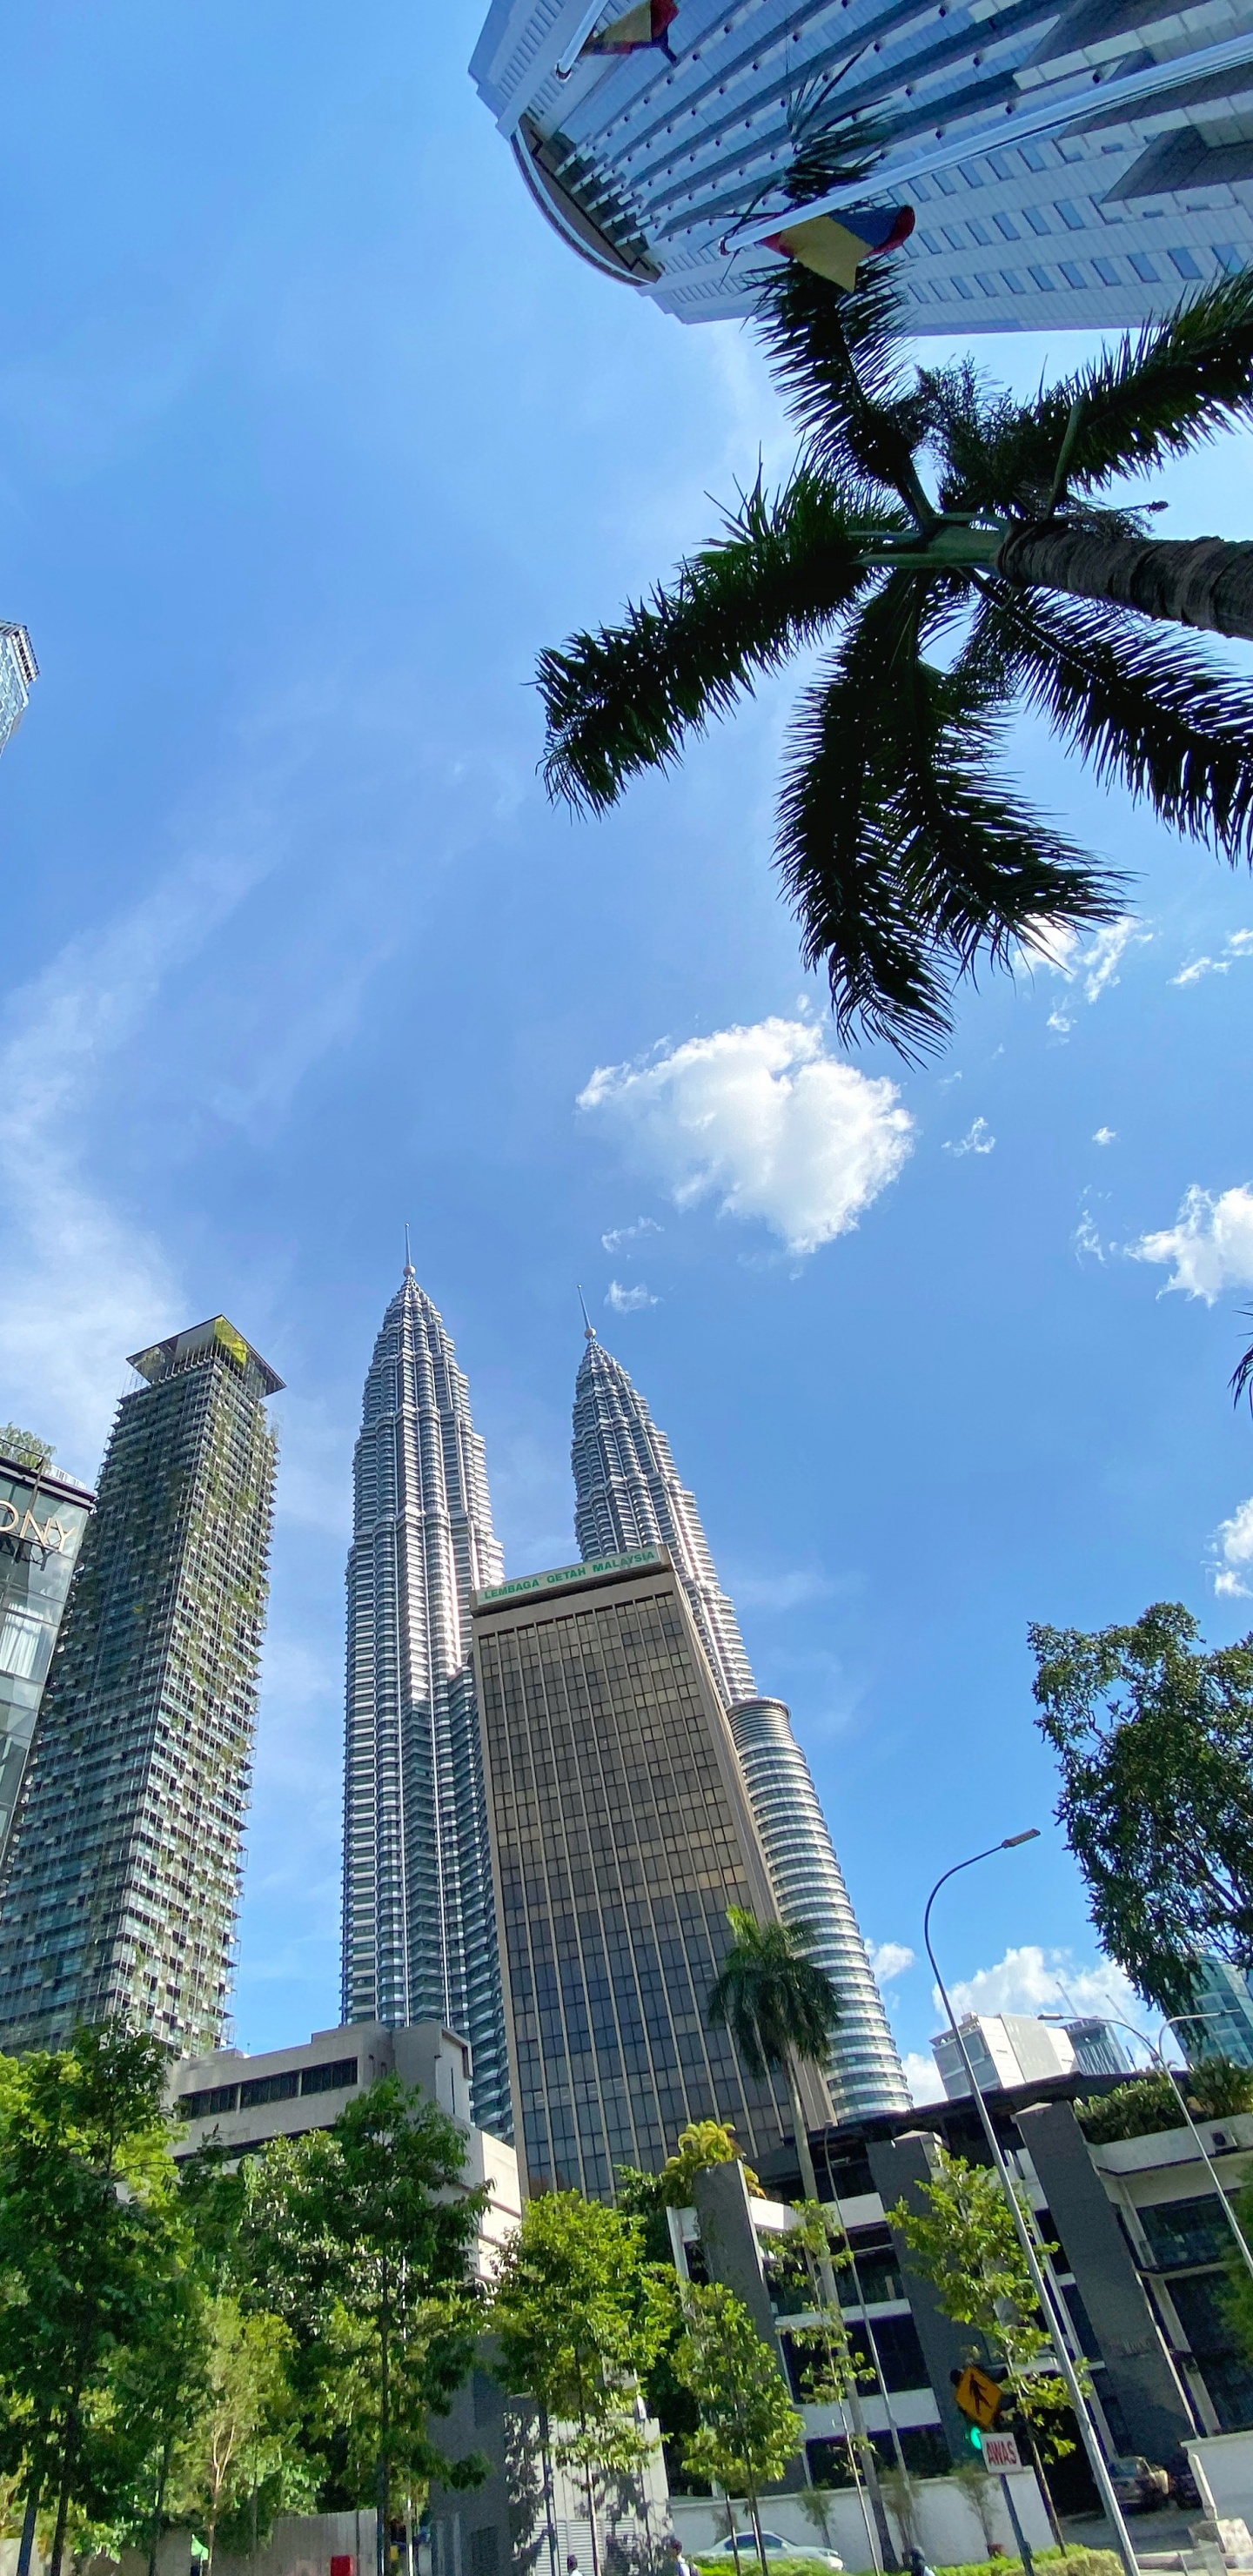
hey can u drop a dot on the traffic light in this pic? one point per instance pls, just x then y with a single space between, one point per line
974 2437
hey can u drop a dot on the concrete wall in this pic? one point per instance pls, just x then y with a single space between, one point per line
1138 2368
947 2525
1223 2467
900 2167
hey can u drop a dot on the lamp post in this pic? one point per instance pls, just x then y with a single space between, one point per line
1087 2430
1155 2050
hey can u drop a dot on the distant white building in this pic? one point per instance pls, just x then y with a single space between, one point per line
18 673
1004 2049
243 2103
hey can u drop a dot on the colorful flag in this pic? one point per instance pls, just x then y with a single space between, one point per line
834 247
647 24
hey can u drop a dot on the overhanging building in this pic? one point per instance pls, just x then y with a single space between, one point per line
18 673
621 1833
42 1519
1070 162
628 1495
419 1922
120 1885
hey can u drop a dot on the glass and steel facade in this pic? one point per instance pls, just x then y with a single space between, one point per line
621 1833
18 673
1071 163
42 1520
628 1494
120 1887
420 1939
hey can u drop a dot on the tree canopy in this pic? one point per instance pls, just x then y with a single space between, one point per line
1154 1736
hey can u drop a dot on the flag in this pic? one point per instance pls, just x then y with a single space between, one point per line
646 24
835 247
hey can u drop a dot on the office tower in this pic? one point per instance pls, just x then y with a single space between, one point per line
1004 2049
1221 2021
1098 2048
120 1886
18 673
42 1519
419 1919
1068 165
628 1494
621 1833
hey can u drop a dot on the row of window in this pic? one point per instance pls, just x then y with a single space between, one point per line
334 2075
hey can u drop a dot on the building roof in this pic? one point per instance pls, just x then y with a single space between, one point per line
163 1359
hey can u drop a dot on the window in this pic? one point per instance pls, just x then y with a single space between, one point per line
1186 2231
202 2106
20 1640
1107 271
1185 263
333 2077
1070 215
1144 268
269 2088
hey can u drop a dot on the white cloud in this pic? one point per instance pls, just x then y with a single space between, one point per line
1087 1240
1233 1561
1210 1243
1092 969
1099 964
923 2078
82 1283
1033 1980
628 1301
619 1235
890 1959
763 1118
1239 945
978 1139
1105 1136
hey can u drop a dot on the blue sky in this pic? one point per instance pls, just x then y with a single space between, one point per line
310 436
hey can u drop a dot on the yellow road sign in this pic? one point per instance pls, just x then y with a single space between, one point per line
979 2397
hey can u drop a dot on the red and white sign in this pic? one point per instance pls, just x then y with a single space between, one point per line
1000 2450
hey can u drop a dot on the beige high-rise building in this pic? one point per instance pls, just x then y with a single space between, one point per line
621 1832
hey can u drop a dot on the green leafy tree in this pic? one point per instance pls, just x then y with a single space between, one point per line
954 552
243 2434
89 2248
1154 1736
360 2237
26 1447
701 2144
749 2428
965 2242
834 2370
1217 2089
578 2319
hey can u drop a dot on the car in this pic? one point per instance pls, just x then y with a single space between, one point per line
774 2546
1139 2484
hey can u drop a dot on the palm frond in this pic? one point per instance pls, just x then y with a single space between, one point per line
997 454
1171 389
1142 704
624 699
1241 1379
906 860
837 360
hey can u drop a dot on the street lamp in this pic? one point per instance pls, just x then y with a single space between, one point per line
1246 2254
1096 2457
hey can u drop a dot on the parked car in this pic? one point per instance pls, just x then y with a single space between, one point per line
775 2547
1139 2484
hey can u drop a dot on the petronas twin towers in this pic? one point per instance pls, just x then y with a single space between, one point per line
420 1934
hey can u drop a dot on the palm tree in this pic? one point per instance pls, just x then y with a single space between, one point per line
952 549
781 2008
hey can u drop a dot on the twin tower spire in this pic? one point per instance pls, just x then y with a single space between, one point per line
419 1915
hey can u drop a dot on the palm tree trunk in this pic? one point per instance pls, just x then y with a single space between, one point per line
866 2448
1191 581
